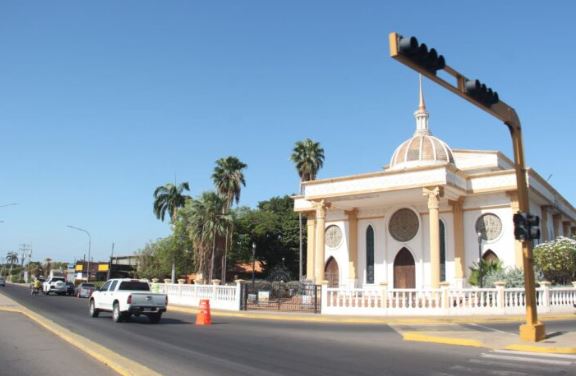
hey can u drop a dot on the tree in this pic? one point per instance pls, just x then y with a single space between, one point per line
273 226
308 156
228 179
557 260
11 259
168 198
206 221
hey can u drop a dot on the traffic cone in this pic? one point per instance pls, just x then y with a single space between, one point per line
203 317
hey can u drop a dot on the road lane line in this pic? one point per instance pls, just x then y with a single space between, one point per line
527 353
527 360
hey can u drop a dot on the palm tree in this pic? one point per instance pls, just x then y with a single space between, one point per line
11 259
168 198
207 221
228 179
308 156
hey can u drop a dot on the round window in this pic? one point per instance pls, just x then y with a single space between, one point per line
333 236
403 225
489 226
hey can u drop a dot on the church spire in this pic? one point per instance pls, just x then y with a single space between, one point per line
421 115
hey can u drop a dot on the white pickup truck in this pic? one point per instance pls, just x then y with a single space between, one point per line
126 297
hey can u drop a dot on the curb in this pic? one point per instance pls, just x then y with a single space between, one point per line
118 363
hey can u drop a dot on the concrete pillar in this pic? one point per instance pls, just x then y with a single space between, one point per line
434 195
566 229
544 223
319 254
459 257
310 244
352 246
556 222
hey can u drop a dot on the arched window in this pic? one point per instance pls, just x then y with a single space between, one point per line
370 255
490 256
442 251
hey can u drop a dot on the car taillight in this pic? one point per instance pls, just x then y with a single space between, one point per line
129 301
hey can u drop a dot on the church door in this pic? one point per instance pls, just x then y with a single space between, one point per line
331 273
404 270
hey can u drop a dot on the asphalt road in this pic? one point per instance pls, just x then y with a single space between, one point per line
235 346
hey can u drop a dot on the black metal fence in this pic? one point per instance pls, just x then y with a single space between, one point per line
281 296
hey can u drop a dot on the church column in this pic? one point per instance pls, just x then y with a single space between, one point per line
556 219
566 228
310 244
434 195
352 246
518 254
459 260
319 254
544 223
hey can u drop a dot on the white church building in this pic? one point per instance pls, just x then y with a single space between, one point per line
425 218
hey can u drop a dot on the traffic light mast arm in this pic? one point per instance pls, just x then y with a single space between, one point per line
533 330
500 110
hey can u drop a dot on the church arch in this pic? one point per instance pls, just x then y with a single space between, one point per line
332 272
369 255
489 255
404 270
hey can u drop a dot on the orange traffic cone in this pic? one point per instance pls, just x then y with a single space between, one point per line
203 316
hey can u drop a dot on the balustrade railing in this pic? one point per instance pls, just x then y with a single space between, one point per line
221 297
443 301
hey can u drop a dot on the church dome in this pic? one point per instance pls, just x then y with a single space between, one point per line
422 149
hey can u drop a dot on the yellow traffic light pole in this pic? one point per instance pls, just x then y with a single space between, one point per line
532 330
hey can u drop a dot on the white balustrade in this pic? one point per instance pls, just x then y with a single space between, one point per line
443 301
221 297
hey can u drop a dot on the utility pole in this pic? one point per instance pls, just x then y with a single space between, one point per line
428 61
25 253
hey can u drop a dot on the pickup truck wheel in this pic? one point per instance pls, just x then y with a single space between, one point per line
93 310
117 316
154 317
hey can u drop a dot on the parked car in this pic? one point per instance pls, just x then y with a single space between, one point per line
2 282
126 297
70 288
84 290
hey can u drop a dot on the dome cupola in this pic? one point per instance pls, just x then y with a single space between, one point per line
422 149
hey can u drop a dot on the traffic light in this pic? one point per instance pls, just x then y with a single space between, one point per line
533 226
520 226
526 226
481 93
429 59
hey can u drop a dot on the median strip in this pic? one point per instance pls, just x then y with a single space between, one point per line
118 363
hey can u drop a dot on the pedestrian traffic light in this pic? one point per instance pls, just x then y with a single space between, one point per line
526 226
481 93
429 59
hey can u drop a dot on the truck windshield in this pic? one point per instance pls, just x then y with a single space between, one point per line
134 286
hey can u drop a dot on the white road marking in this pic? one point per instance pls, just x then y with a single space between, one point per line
527 360
532 354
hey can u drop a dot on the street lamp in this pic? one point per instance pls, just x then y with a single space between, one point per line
89 246
479 234
253 263
427 62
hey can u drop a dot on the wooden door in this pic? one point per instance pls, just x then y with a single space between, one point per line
404 270
331 273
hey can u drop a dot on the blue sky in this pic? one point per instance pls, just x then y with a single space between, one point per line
101 102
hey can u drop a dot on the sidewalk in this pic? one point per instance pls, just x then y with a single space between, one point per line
449 330
30 344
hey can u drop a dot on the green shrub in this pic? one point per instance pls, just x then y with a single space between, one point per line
557 260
